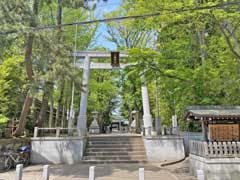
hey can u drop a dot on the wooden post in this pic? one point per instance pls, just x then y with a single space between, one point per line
35 132
204 130
19 172
141 173
91 173
46 172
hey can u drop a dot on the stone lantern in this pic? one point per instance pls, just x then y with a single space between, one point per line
94 127
135 124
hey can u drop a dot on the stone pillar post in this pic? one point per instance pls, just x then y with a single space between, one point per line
174 125
19 168
135 124
158 124
46 172
147 118
82 117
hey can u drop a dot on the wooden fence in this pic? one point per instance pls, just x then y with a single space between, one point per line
215 149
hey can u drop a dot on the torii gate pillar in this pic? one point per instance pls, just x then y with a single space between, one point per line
147 117
82 117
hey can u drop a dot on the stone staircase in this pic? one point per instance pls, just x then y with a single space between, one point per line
115 149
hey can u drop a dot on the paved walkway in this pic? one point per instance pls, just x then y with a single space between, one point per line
105 172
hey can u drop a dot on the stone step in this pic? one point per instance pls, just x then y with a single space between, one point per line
132 153
115 146
114 158
115 139
114 149
115 142
112 161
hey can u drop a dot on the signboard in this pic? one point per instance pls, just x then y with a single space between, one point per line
115 59
224 132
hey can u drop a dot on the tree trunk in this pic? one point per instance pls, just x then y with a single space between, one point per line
60 106
51 107
63 117
229 33
28 55
44 106
28 100
59 14
23 119
201 37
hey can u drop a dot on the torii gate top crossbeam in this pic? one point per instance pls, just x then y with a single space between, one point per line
97 54
103 66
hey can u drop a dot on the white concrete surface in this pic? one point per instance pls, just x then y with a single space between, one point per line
55 150
164 148
216 168
200 175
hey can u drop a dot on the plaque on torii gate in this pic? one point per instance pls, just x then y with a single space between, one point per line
86 65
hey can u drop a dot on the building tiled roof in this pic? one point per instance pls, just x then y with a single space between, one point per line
212 112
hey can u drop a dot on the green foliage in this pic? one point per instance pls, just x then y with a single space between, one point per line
3 119
103 94
50 55
193 57
11 83
187 71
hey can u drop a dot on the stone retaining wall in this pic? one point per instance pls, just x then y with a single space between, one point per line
57 150
164 148
216 168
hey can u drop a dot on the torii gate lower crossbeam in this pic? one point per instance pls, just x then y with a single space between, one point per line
86 66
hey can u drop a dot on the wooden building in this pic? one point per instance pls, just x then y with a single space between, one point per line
219 123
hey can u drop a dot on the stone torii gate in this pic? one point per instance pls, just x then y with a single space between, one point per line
86 66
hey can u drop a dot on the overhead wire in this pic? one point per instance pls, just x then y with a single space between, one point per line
121 18
138 16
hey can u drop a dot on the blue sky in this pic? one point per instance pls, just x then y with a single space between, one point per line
105 7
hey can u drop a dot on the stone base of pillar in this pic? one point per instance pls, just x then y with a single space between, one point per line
147 121
82 129
158 126
175 130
